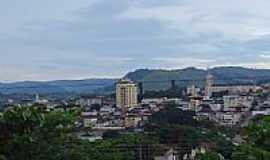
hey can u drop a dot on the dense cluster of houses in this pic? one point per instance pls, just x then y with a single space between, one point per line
226 105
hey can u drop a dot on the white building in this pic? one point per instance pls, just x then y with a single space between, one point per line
264 109
228 118
234 101
40 101
154 100
87 101
211 88
89 119
169 155
234 89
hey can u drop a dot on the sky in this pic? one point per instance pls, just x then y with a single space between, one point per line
76 39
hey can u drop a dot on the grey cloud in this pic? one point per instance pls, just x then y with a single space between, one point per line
85 37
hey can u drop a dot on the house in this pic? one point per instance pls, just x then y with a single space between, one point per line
264 109
238 140
205 112
106 111
194 103
216 106
90 136
228 118
89 119
232 102
132 121
169 155
107 108
153 100
88 101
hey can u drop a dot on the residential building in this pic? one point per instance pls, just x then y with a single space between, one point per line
89 118
153 100
88 101
229 118
205 112
169 155
126 94
234 89
231 103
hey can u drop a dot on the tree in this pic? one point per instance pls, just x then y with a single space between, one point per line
111 134
208 156
257 144
173 115
2 157
31 133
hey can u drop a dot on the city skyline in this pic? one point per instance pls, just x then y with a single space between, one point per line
50 40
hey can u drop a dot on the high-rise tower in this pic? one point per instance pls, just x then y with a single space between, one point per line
126 94
208 85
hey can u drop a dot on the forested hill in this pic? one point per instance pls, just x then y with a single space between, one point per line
223 75
61 86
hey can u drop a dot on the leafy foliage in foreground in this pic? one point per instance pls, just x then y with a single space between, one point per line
29 133
258 141
173 115
208 156
178 129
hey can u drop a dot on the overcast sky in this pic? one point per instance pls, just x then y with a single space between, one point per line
73 39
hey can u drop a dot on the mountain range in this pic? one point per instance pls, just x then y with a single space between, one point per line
161 79
152 80
60 86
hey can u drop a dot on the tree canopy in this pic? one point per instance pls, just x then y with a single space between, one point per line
257 144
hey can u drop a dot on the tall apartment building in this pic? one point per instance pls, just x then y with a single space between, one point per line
126 94
208 85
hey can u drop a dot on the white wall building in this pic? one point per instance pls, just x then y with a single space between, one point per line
89 101
232 102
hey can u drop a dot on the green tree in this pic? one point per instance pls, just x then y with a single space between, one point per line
208 156
29 133
33 134
173 115
257 146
